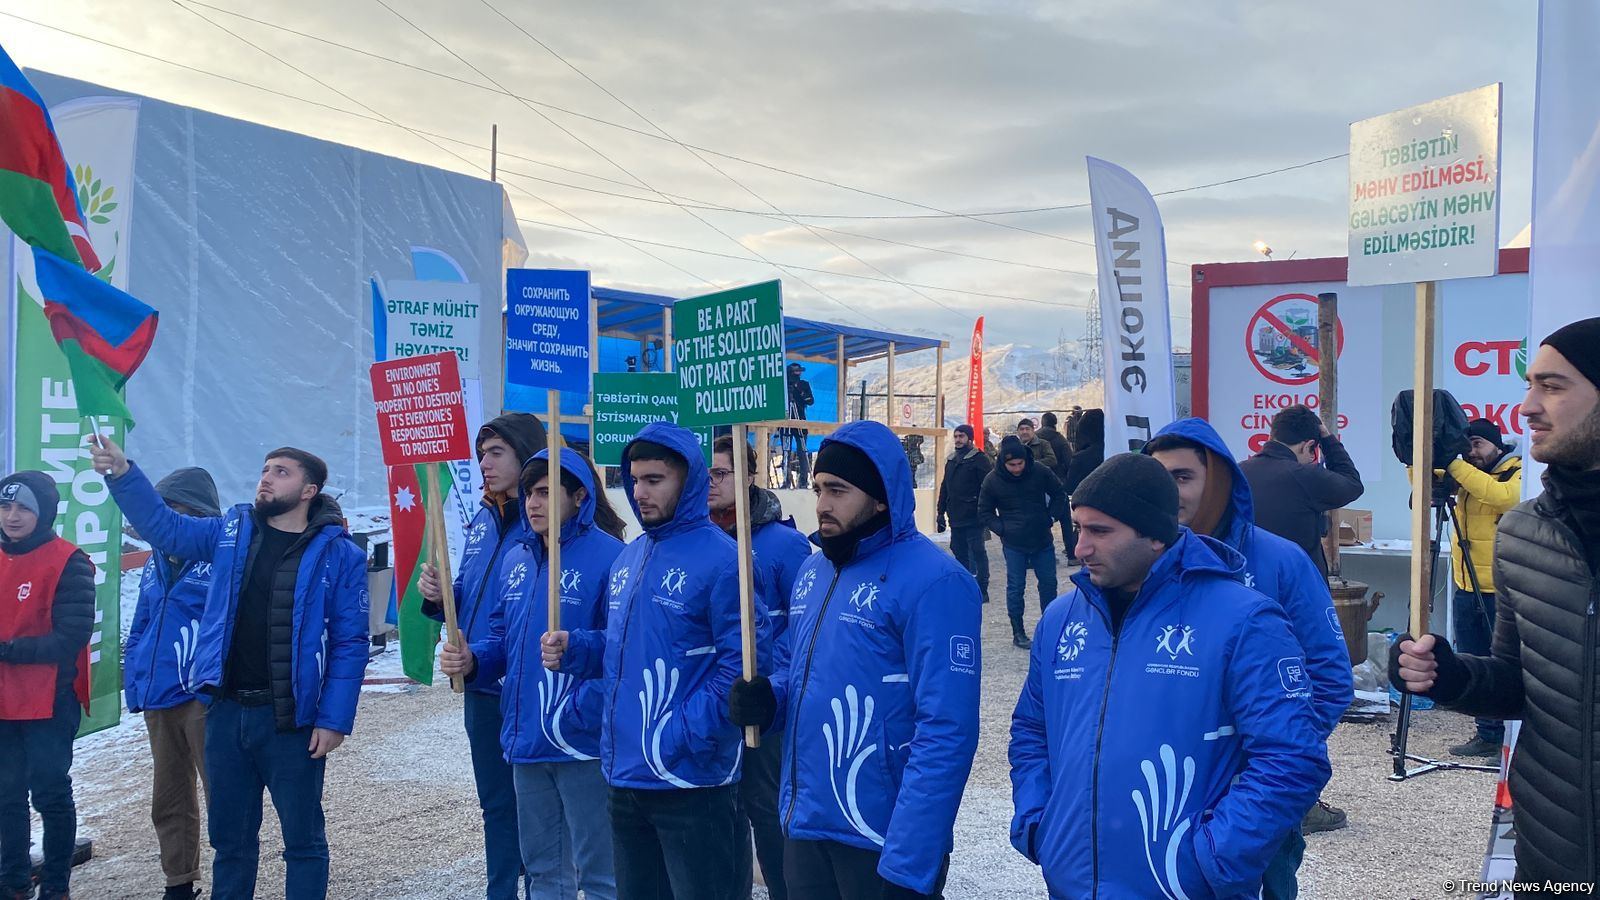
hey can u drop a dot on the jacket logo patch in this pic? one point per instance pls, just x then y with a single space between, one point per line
963 655
184 649
619 580
1162 820
519 574
1175 639
1249 579
1292 675
24 591
475 537
802 588
673 582
846 738
1333 621
571 580
230 531
1073 639
864 595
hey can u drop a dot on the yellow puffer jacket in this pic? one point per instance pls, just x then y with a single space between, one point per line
1483 498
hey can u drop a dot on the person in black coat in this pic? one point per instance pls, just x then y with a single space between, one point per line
1087 454
964 472
1050 433
1293 492
1019 501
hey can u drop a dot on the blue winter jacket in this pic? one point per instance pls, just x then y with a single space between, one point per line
1283 572
880 696
781 550
480 577
671 647
156 664
1172 758
549 716
329 631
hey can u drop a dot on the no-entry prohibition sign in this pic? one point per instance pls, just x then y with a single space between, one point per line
1281 339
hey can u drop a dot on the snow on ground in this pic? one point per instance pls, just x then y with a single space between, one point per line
403 819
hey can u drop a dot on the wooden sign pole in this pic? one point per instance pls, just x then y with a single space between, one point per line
747 598
552 538
439 544
1328 403
1422 461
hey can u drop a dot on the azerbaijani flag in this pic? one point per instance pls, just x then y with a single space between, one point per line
408 521
38 196
104 332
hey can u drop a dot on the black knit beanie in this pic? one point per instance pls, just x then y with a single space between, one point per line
1579 342
1487 430
1135 490
1011 448
841 459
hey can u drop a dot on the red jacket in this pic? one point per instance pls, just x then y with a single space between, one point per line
46 614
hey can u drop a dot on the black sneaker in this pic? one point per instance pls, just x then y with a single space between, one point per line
1323 817
1477 747
181 892
1021 640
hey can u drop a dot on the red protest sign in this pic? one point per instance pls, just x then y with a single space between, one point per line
421 417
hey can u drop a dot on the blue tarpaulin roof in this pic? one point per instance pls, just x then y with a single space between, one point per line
638 315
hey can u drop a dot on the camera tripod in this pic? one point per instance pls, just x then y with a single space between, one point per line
1444 508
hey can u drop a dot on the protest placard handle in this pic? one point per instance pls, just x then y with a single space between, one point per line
552 531
439 546
1422 560
747 598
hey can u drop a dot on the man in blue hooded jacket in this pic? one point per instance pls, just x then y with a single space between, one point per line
670 649
155 681
502 445
879 700
551 730
1214 500
282 650
1165 742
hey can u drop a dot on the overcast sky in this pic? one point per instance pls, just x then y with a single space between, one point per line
955 106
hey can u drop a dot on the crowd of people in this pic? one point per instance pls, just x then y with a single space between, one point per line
609 754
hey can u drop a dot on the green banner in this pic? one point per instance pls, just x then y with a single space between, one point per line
625 402
52 438
728 352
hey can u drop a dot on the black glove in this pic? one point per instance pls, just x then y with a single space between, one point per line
752 703
1449 679
939 524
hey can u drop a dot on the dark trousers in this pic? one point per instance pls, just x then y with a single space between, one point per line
1281 880
1473 618
1018 562
967 544
497 795
674 844
36 762
757 810
246 754
1069 538
826 870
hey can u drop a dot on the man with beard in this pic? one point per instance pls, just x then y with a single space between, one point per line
964 473
281 650
1541 667
780 549
880 697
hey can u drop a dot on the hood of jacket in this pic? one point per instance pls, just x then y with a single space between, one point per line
523 431
884 449
1092 427
49 496
192 487
573 464
692 509
1241 507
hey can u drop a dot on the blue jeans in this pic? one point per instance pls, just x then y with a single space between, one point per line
1281 880
967 545
1018 562
497 794
37 762
246 753
565 830
1473 618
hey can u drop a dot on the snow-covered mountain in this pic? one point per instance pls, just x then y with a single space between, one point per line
1018 380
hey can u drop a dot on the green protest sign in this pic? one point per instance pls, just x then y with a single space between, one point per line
728 352
625 402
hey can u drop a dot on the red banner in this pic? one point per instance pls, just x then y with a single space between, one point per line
975 385
421 417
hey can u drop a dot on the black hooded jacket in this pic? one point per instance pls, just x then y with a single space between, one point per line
72 612
1090 450
1021 508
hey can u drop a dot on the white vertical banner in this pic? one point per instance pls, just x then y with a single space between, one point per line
1136 330
1564 259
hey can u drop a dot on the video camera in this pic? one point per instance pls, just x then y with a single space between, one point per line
1450 438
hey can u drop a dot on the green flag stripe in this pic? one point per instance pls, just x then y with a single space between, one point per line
28 207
